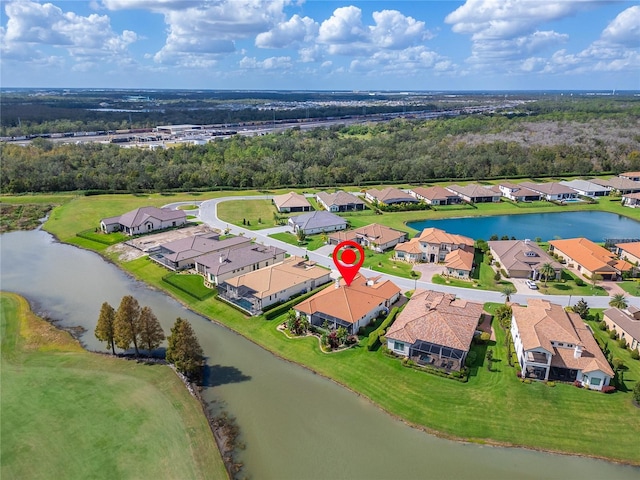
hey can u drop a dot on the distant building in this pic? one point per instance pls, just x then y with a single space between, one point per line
589 258
220 266
180 254
518 193
631 200
435 195
635 176
317 222
475 193
551 191
374 236
291 202
389 196
621 185
587 188
431 246
522 258
144 220
340 201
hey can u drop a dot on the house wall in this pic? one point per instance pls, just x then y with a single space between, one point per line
109 227
628 257
287 293
244 269
622 333
464 274
594 380
399 348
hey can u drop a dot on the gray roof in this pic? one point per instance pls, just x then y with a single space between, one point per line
196 245
231 259
521 255
585 186
339 198
318 219
137 217
551 188
473 191
625 321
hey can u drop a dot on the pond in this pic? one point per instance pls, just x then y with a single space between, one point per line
296 424
596 226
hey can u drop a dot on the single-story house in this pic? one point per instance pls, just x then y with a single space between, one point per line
276 283
317 222
522 258
635 176
518 193
374 236
473 193
350 306
551 191
433 246
619 184
553 344
435 328
631 200
340 201
589 258
626 323
435 195
291 202
459 263
144 220
629 251
389 196
587 188
218 267
180 254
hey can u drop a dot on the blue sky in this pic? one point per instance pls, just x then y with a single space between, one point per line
321 45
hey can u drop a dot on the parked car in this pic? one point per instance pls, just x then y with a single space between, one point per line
531 284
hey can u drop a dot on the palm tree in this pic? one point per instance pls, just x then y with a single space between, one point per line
507 291
619 301
547 270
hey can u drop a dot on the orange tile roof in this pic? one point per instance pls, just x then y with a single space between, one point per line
632 248
438 318
435 235
350 303
412 246
590 255
291 200
459 259
543 322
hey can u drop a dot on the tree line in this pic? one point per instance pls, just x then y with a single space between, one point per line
132 325
399 151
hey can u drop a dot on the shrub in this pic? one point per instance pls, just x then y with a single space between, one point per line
485 337
635 354
613 334
518 374
471 358
375 336
551 384
504 273
580 282
577 383
608 389
602 325
636 392
526 380
497 276
622 343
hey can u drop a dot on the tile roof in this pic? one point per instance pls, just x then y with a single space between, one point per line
318 219
140 215
438 318
518 190
630 174
234 258
379 234
390 193
521 255
412 246
473 190
625 321
632 248
436 236
585 185
590 255
280 276
459 259
619 183
350 303
550 188
339 198
543 322
190 247
632 195
434 193
290 200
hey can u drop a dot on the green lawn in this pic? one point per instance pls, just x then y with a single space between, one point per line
68 413
384 263
632 287
190 283
259 213
311 242
568 286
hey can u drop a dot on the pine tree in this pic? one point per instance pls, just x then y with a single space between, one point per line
151 333
184 350
105 328
581 308
127 323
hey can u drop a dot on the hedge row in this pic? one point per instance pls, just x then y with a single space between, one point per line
374 337
284 307
91 234
169 278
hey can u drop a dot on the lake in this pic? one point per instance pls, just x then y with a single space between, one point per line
296 424
596 226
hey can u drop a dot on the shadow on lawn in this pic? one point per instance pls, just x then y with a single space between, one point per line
216 375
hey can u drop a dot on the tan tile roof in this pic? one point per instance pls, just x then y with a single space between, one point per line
434 193
619 183
349 303
339 198
390 193
543 322
343 235
521 255
436 236
635 196
279 277
630 174
473 190
412 246
438 318
379 233
583 251
291 200
459 259
625 321
632 248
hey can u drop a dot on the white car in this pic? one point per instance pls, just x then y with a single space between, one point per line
531 284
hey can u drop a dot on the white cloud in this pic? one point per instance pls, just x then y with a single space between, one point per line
272 63
396 31
344 26
296 29
625 28
33 26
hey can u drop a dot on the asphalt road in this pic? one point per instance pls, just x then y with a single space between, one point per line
208 213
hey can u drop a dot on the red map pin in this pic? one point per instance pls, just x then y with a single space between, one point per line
345 257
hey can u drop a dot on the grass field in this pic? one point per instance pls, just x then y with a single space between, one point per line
68 413
384 263
259 213
311 242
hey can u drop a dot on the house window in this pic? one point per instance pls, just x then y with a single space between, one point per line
398 346
595 381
